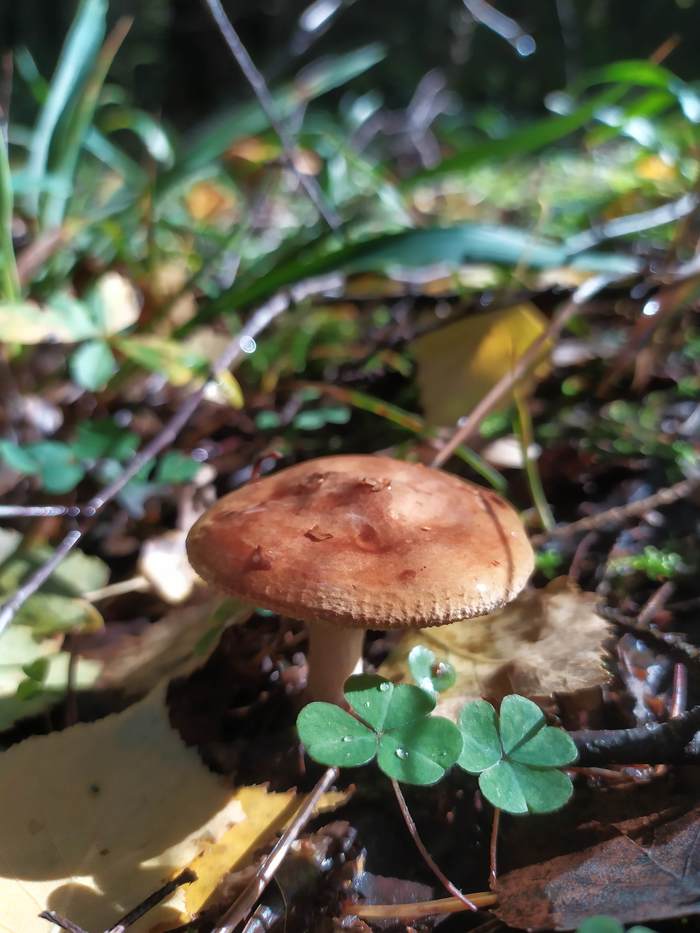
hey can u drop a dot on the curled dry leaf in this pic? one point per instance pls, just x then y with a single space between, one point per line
649 870
102 814
545 642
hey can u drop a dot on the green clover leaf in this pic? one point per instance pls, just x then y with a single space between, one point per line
431 675
516 755
410 745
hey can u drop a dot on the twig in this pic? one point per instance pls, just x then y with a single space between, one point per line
427 857
504 26
238 348
654 743
632 223
672 641
493 848
504 385
621 513
679 693
246 900
260 89
418 910
39 511
185 877
61 922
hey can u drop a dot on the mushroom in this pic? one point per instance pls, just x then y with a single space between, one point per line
354 542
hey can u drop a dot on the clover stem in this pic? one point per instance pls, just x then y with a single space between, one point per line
427 857
334 654
493 848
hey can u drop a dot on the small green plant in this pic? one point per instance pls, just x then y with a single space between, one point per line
395 726
517 756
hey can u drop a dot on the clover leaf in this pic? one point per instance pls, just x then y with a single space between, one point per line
516 755
410 745
430 674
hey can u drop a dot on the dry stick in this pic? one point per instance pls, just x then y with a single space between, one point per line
185 877
679 693
242 344
262 92
246 900
417 910
672 641
61 922
621 513
582 294
39 511
654 743
427 857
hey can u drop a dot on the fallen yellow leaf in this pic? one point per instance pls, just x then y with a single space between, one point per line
459 363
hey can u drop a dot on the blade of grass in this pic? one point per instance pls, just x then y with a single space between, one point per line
79 50
410 422
523 426
78 120
10 277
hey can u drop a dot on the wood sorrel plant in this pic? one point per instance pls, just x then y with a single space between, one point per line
516 755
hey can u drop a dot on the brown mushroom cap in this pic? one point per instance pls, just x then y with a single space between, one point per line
366 541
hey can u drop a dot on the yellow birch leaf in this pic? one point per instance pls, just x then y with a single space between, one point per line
458 364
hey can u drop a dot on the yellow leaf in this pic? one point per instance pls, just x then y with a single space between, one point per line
207 201
544 642
174 361
459 363
230 389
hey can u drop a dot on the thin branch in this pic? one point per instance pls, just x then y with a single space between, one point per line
253 76
632 223
246 900
529 359
241 345
654 743
418 910
185 877
39 511
672 641
60 921
621 513
427 857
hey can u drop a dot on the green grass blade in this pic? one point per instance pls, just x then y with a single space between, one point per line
75 126
10 278
79 50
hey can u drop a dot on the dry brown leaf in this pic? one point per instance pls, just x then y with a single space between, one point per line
546 642
648 870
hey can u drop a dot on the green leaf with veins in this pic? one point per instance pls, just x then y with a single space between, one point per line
420 752
384 705
516 755
334 737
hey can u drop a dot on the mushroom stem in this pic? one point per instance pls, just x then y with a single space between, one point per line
334 654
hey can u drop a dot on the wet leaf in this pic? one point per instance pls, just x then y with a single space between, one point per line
430 674
419 752
334 737
385 705
647 870
546 641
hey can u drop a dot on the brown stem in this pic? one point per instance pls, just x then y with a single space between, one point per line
419 910
427 857
493 848
334 654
